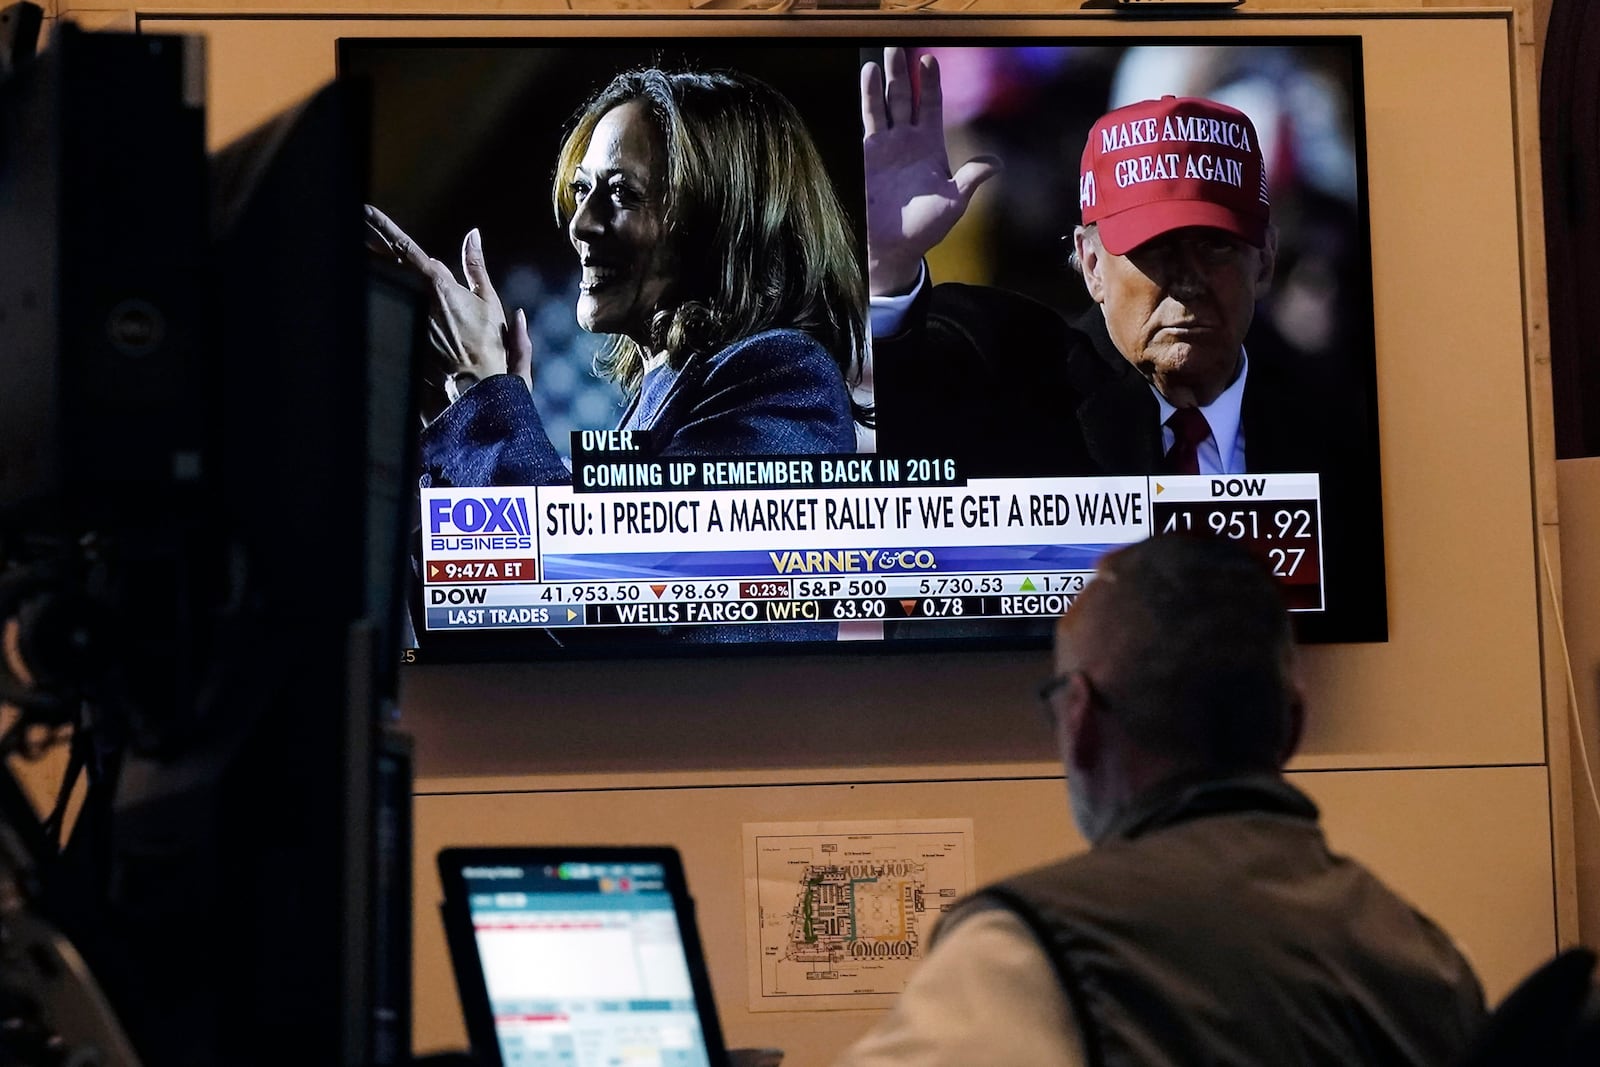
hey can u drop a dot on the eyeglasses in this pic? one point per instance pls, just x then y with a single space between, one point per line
1056 682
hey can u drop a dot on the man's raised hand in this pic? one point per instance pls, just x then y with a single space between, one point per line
913 199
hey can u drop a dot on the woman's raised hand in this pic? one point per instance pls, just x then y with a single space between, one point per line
467 323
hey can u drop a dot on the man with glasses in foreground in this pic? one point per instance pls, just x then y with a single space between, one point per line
1208 923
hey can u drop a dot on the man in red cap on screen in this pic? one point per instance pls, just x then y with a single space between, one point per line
1175 247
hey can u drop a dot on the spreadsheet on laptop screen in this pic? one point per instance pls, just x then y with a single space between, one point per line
584 964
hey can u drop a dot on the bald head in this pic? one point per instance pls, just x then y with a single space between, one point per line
1188 642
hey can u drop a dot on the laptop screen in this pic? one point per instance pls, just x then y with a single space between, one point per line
586 958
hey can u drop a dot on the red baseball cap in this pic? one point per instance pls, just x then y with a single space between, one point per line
1161 165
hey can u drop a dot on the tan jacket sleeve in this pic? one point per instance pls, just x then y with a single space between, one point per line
986 996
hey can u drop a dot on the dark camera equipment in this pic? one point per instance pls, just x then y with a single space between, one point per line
204 438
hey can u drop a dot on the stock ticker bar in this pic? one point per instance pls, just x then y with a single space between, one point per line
793 539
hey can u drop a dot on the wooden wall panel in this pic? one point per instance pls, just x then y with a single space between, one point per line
1470 847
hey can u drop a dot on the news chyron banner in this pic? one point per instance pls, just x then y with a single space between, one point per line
825 539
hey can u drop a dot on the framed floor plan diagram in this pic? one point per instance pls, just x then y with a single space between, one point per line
839 914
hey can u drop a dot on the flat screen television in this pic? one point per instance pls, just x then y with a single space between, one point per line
970 506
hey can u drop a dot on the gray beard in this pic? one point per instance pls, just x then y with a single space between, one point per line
1091 824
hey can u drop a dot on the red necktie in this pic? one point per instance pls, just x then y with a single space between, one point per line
1189 428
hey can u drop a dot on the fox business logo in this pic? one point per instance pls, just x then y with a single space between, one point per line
853 560
472 523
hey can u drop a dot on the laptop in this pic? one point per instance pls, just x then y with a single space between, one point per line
576 956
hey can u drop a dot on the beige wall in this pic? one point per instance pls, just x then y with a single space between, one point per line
1428 753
